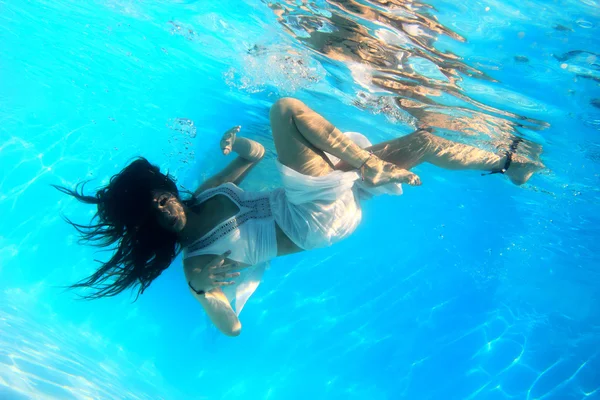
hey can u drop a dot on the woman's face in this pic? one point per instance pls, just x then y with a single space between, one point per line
171 214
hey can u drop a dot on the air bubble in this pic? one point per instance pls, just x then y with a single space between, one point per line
584 24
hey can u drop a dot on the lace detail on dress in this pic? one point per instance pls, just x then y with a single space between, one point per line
257 209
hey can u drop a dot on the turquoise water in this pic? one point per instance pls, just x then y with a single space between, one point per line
467 287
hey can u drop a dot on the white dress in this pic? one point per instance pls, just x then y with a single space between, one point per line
312 211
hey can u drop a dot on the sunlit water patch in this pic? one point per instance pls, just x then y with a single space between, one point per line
44 360
465 288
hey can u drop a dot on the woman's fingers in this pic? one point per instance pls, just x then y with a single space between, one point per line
227 143
225 265
217 264
224 275
219 260
229 266
221 264
218 283
234 129
232 267
227 146
228 139
223 279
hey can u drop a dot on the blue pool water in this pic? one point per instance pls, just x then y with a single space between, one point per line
467 287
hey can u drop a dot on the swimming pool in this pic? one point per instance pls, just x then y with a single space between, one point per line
467 287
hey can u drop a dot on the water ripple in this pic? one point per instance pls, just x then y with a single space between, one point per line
47 361
394 46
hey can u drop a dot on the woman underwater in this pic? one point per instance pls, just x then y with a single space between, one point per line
227 235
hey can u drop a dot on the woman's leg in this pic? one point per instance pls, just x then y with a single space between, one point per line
302 136
422 146
293 149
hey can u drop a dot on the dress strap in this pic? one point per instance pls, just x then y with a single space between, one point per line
229 189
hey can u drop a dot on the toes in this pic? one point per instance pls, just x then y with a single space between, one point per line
415 180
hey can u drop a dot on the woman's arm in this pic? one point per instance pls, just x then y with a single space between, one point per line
205 275
219 311
249 154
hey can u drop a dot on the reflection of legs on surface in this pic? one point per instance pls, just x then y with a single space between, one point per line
422 146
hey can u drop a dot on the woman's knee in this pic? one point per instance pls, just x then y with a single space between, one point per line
422 138
424 143
424 133
285 107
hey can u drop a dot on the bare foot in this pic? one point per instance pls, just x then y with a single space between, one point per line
378 172
405 176
521 169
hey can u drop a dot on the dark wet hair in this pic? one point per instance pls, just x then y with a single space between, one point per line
126 220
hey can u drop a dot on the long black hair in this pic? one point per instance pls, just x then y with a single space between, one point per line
126 222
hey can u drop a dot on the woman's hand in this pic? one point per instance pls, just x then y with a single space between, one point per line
378 172
228 139
218 272
245 148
